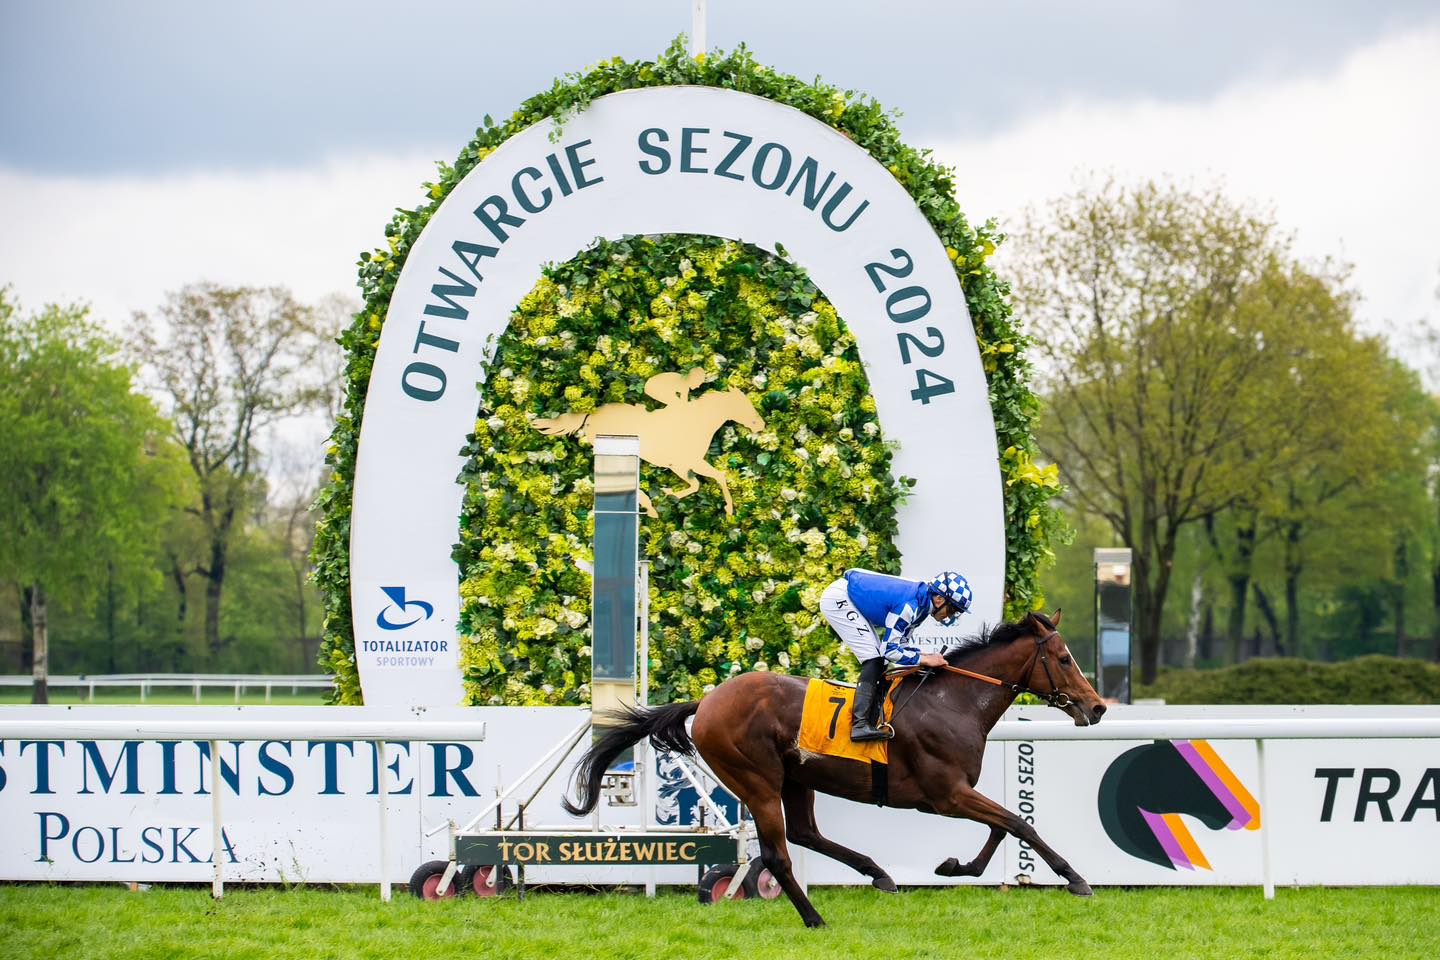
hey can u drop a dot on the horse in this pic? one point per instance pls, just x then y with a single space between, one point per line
746 731
674 437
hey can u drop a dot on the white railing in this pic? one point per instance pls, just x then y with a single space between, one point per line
378 732
196 681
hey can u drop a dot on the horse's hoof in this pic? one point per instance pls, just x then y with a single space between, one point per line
1080 888
949 868
814 922
885 884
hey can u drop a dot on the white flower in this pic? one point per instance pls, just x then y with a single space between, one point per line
871 428
759 380
822 661
494 423
788 494
547 688
695 547
754 643
802 454
803 434
758 594
847 434
708 603
678 538
784 659
574 619
762 666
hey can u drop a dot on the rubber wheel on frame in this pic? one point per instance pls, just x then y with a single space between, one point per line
475 879
761 884
426 878
716 883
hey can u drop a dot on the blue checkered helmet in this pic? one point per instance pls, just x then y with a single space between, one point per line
955 589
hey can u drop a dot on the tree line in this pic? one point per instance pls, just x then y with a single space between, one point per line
150 517
1209 398
1214 406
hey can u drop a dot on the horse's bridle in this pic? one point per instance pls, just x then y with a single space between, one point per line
1056 697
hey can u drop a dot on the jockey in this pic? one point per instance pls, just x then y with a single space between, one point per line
860 602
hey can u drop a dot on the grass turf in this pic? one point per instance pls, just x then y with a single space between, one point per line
56 921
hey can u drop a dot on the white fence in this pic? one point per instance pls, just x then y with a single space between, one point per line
380 731
195 681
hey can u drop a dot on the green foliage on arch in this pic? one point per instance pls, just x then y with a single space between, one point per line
1031 521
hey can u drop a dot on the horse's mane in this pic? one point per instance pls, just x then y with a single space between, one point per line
995 636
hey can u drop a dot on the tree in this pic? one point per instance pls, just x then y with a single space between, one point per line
1157 355
88 464
228 362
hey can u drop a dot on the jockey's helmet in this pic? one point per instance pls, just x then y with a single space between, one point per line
955 589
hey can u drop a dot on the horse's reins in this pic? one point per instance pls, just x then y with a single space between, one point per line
1056 697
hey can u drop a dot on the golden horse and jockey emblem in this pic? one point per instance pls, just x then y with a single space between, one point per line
674 437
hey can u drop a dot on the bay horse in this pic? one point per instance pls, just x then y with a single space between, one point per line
746 731
674 437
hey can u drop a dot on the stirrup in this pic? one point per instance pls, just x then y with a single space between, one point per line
869 733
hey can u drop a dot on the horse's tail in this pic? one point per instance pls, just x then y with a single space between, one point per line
561 426
665 726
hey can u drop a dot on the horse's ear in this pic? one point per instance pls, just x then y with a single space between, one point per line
1055 619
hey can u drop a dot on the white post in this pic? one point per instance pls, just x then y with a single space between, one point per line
1267 877
697 28
382 788
267 693
217 886
142 692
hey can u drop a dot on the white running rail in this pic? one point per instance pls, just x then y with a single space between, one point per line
195 681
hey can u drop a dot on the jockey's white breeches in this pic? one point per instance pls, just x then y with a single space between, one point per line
854 630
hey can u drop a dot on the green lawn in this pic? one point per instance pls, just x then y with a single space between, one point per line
209 696
980 923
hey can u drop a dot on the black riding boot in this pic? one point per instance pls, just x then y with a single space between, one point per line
869 702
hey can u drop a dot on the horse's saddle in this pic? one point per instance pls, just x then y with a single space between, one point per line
826 717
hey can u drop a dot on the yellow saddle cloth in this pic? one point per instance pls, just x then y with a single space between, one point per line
825 722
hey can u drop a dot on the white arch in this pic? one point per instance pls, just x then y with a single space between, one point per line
652 161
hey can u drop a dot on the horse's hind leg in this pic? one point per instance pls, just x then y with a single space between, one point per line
800 828
968 803
954 868
758 787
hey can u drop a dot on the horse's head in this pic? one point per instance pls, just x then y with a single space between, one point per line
1054 675
738 407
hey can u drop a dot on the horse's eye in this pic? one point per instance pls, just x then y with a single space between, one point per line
1064 661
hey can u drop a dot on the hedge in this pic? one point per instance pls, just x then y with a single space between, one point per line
1284 680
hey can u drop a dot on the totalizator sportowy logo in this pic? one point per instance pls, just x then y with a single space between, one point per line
402 618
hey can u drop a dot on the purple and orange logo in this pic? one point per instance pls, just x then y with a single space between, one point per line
1147 789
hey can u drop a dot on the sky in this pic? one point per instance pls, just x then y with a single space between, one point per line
144 145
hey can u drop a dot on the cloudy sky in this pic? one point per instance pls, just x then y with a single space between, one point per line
144 145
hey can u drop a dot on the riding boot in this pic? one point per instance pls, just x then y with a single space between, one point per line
869 702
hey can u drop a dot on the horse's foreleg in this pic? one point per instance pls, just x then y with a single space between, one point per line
966 802
704 469
800 828
954 868
692 484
